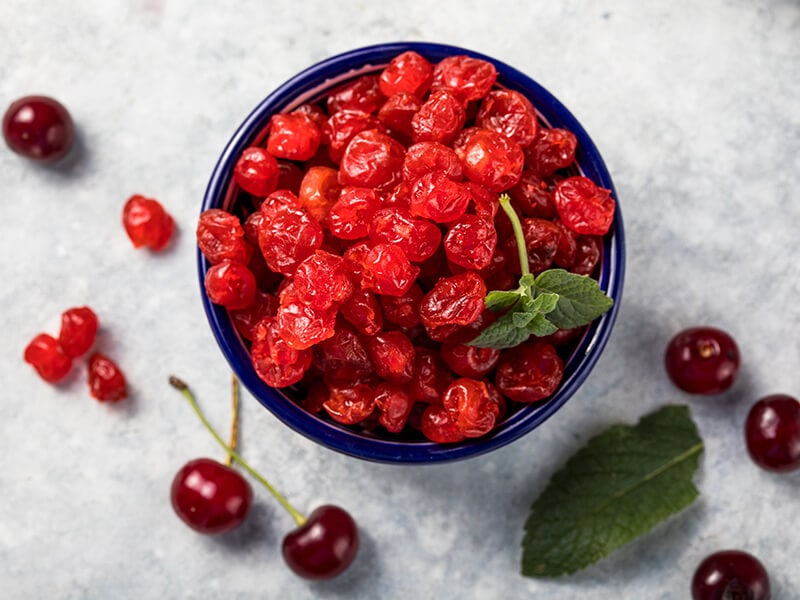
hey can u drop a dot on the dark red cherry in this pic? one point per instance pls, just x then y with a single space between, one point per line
730 575
210 497
702 360
324 546
38 128
772 433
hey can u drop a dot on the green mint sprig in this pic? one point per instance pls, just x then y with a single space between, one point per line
555 299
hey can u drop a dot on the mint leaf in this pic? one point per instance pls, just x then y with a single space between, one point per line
545 303
521 319
540 326
503 333
499 301
580 299
616 488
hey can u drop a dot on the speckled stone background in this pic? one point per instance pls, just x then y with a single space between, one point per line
696 109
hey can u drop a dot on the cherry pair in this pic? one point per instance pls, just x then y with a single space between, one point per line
213 498
52 358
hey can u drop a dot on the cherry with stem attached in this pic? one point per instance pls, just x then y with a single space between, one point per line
324 544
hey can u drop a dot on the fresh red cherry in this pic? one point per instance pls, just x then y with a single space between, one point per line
772 433
38 128
730 575
210 497
702 360
324 545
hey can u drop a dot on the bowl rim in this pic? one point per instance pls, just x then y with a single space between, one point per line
329 73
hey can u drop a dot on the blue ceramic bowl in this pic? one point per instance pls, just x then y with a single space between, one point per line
311 85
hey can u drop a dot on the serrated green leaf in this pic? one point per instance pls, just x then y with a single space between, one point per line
498 300
521 319
545 303
616 488
503 333
580 299
540 326
526 281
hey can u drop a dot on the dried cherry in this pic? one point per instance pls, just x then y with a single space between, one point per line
529 372
465 77
44 354
256 172
78 331
510 114
584 207
408 73
106 380
147 223
293 136
439 118
275 362
220 236
395 404
372 159
471 242
230 284
456 300
489 158
392 354
363 94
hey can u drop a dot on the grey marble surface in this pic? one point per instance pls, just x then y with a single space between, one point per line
694 106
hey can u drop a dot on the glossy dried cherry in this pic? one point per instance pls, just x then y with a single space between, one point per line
230 284
363 311
321 280
510 114
465 77
363 94
395 404
439 425
428 157
350 403
551 150
319 191
372 159
583 206
529 372
469 361
439 118
437 197
489 159
106 380
398 112
471 242
392 354
147 223
342 357
387 270
220 236
408 73
350 216
256 172
418 238
293 136
474 408
403 310
78 331
287 238
44 354
277 364
456 300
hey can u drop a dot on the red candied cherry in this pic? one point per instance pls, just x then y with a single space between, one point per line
489 158
392 354
372 159
324 544
44 354
342 127
456 300
273 204
730 575
470 242
465 77
354 260
321 280
313 112
439 118
419 238
529 372
342 357
484 201
288 237
469 361
588 249
408 73
78 330
431 376
106 380
39 128
567 249
363 94
395 404
210 497
256 172
438 198
427 157
387 270
553 149
220 236
319 191
398 112
510 114
350 216
584 207
772 433
293 137
230 284
363 312
403 310
541 243
702 360
147 223
473 405
302 325
349 403
534 195
439 425
275 362
245 320
398 197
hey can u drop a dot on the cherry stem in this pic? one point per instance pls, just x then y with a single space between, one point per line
505 204
234 417
179 385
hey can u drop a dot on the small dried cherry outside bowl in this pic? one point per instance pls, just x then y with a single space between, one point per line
313 84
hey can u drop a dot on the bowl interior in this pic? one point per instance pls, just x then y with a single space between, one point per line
312 85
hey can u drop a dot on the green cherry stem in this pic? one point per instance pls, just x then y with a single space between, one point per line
505 204
179 385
